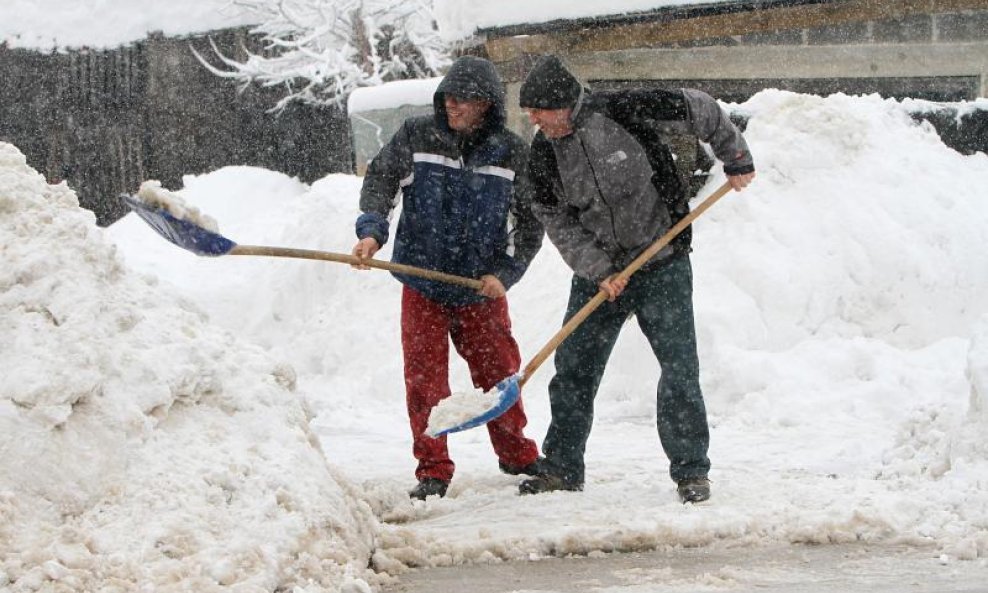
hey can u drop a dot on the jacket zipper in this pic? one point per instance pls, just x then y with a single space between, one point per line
600 193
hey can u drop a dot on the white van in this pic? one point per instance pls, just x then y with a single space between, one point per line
376 113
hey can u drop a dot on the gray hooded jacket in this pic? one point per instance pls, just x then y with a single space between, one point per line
608 191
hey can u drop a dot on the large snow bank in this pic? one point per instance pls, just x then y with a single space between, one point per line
859 226
140 447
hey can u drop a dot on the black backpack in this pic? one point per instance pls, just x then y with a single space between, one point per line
680 163
681 166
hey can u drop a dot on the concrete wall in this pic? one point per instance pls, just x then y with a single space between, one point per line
930 49
106 120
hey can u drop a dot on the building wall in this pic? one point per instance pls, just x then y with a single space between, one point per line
105 120
930 49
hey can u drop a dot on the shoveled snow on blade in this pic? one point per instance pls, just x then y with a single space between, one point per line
152 194
459 408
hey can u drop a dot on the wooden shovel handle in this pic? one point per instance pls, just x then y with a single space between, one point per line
354 260
633 267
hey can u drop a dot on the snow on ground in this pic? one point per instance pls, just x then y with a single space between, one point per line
141 446
844 353
842 327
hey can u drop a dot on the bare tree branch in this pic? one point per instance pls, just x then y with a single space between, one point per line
320 50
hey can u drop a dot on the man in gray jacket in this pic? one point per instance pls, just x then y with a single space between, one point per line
606 187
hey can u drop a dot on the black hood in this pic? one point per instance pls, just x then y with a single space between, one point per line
550 85
472 78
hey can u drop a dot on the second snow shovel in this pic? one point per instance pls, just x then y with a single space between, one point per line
190 233
506 393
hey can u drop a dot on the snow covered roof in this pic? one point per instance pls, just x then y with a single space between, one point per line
49 24
393 94
522 17
28 23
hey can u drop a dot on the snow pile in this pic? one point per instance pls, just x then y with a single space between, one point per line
858 227
837 302
978 374
276 302
947 448
143 448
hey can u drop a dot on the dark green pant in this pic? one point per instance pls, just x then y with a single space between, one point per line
662 301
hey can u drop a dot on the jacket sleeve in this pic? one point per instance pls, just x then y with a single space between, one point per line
711 124
525 231
577 246
380 192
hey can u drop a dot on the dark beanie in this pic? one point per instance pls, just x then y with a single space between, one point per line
549 86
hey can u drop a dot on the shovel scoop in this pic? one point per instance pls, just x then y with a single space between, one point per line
188 234
461 411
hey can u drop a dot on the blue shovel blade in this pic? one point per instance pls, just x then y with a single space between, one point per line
507 394
183 233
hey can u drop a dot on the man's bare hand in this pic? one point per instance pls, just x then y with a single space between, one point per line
492 287
613 286
365 249
739 182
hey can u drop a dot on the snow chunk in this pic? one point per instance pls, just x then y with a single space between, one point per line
152 194
459 408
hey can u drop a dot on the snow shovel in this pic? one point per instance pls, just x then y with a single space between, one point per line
509 389
201 241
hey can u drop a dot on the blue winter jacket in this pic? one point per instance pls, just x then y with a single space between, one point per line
466 202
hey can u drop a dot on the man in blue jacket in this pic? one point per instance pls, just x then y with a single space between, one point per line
466 211
606 187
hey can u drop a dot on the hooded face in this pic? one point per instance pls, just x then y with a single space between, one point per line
465 115
470 96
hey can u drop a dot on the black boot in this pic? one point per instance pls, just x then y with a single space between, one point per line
429 487
536 468
547 483
693 489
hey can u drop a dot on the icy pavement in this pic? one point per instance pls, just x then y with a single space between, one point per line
790 569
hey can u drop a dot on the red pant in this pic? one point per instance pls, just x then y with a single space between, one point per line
481 333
